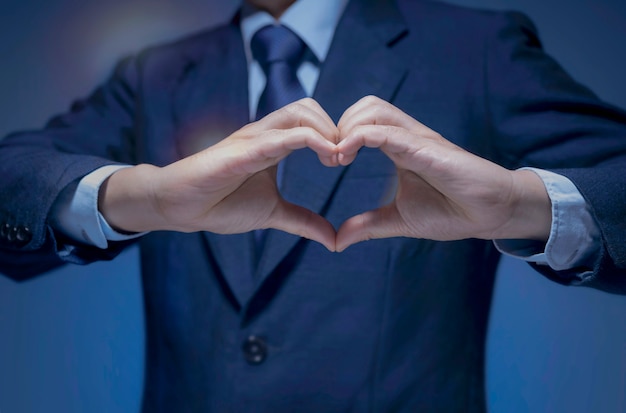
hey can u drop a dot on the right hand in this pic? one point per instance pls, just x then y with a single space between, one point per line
229 187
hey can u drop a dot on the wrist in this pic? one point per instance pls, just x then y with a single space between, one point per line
531 209
125 200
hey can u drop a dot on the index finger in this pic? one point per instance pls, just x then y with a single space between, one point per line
372 110
302 113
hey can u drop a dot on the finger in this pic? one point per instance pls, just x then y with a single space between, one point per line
277 144
392 140
239 157
384 222
371 110
304 112
300 221
329 161
248 156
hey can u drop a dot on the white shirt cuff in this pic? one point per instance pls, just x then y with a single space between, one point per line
75 213
574 236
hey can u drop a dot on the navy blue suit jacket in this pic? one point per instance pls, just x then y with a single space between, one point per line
388 325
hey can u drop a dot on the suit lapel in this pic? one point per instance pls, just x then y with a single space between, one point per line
361 60
211 103
360 63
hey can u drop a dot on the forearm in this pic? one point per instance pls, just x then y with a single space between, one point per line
31 194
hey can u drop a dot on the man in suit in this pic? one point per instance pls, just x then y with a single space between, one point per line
271 321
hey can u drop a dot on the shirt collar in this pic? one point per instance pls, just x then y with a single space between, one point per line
313 20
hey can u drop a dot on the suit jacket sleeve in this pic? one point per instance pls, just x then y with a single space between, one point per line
37 166
542 118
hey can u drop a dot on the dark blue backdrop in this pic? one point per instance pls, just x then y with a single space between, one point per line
72 341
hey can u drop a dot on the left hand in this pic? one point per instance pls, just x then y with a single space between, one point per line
444 192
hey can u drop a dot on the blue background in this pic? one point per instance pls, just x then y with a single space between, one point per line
72 341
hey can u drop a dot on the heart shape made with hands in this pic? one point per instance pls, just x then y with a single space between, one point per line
443 193
240 190
371 122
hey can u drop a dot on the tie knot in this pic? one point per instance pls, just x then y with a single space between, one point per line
276 43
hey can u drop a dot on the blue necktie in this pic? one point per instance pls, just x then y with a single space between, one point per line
279 52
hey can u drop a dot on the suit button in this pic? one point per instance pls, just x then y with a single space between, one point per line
23 236
12 235
254 350
4 231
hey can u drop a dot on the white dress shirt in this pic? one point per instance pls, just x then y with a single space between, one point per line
574 235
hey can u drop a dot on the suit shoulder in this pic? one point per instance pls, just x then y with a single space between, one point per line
462 20
194 44
174 57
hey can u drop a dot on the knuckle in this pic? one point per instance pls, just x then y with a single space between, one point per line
298 109
361 130
294 108
388 130
371 100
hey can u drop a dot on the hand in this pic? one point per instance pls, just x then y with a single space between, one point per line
229 187
444 192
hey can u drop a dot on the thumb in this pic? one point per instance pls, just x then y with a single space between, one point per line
384 222
300 221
